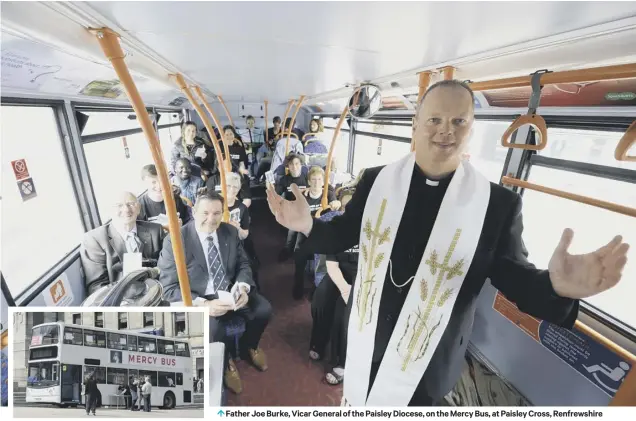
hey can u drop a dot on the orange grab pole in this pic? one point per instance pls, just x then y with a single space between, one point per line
289 105
625 210
623 71
207 106
266 123
324 203
448 72
226 147
229 117
620 351
627 141
109 42
206 122
291 124
424 81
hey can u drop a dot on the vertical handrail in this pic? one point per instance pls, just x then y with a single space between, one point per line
448 72
109 43
226 161
291 124
324 202
289 105
424 81
229 117
266 123
206 122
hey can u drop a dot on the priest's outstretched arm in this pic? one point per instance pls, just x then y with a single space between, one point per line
343 231
522 283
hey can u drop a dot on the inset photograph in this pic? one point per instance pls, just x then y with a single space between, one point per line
108 363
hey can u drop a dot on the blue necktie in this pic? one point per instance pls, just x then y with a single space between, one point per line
215 268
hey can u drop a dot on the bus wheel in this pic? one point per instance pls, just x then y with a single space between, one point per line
169 400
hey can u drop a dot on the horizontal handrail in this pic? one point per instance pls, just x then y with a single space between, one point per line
607 343
627 141
622 71
625 210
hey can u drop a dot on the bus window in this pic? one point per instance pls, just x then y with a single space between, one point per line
484 148
108 121
372 152
179 379
112 172
132 343
543 231
45 335
147 345
73 336
43 374
151 374
182 349
98 372
41 221
94 338
165 347
117 341
341 150
167 379
116 376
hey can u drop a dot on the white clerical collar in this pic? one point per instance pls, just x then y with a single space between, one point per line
434 183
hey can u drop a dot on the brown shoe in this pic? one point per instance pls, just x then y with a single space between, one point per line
258 358
232 378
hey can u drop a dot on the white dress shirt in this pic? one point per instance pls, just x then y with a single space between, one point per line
124 236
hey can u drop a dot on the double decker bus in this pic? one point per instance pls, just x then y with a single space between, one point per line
61 355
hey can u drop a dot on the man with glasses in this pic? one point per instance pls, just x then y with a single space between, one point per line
112 250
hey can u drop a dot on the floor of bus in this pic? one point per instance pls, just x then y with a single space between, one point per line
292 379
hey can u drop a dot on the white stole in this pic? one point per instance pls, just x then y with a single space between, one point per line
428 306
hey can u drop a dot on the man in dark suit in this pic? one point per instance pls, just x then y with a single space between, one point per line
216 261
441 131
103 249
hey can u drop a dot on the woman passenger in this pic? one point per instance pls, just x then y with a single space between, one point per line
240 164
313 195
194 149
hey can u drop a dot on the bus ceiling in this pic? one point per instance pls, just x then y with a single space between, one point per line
47 48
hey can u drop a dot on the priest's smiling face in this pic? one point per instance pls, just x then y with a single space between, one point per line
442 128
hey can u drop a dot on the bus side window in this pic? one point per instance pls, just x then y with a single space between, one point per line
117 341
152 374
116 376
73 336
179 379
182 349
167 379
147 345
165 347
132 343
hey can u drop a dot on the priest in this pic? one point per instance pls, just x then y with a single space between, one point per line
431 229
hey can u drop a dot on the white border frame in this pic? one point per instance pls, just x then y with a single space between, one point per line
74 309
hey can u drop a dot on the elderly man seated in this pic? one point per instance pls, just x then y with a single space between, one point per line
125 239
217 264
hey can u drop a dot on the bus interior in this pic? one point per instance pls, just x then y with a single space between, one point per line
94 91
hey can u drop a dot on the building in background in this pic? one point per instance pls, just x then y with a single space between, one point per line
171 324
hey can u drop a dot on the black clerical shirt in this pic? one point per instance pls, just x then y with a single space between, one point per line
500 256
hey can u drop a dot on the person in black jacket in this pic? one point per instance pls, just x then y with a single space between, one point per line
240 161
91 392
442 130
195 150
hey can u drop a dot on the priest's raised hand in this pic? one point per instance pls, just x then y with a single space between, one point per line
583 275
293 215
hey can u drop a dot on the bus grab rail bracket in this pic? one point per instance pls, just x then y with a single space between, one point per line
531 118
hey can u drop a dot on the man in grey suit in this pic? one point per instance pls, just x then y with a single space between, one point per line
216 261
103 249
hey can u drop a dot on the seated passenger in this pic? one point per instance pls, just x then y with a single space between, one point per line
194 149
283 188
313 195
328 309
103 249
216 262
152 204
240 218
295 146
190 185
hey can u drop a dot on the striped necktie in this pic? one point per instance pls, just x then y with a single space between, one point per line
215 268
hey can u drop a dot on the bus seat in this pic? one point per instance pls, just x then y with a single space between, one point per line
234 329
